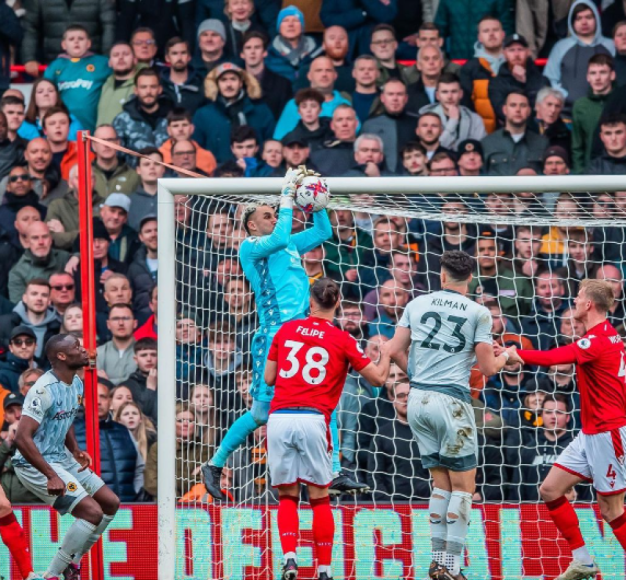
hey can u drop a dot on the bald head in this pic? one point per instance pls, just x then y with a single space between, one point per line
38 156
322 75
59 344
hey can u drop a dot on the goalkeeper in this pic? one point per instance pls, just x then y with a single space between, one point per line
270 258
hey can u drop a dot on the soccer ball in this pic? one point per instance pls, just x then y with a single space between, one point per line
312 194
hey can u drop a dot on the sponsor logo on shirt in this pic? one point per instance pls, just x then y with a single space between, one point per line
77 84
63 415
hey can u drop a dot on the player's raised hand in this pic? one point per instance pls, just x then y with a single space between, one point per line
290 183
56 486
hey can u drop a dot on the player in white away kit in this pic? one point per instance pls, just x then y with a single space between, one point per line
308 362
49 462
446 333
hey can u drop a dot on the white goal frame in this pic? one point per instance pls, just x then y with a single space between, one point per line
169 187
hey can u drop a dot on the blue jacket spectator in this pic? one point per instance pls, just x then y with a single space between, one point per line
567 64
290 52
234 102
358 17
121 464
291 117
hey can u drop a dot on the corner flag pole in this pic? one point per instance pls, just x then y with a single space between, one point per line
88 294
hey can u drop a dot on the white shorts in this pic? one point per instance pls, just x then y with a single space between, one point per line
78 485
598 459
299 449
445 430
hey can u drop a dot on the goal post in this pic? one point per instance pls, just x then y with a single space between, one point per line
181 554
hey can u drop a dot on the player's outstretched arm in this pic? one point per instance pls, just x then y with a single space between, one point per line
488 363
376 373
546 358
398 347
26 446
320 232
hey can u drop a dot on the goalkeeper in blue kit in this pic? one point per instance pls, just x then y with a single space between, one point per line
271 261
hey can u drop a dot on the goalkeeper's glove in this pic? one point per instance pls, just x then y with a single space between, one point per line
304 172
290 183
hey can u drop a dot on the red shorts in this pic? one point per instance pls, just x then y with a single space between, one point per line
598 459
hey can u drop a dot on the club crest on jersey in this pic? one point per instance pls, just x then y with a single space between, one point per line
71 486
584 343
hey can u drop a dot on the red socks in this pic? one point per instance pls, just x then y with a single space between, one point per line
288 522
619 529
323 530
566 521
14 539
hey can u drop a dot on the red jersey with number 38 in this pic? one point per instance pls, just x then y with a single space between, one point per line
312 359
600 361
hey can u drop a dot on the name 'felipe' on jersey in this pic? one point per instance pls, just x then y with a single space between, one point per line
445 326
313 358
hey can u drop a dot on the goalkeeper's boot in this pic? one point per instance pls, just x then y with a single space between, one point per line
324 576
445 574
579 571
72 572
434 570
290 570
212 474
344 484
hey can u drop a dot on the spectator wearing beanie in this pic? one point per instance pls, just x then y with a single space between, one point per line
290 51
566 66
233 96
211 41
470 158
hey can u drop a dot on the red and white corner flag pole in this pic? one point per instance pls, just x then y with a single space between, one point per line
88 294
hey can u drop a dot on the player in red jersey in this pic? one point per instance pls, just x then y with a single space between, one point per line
597 453
308 363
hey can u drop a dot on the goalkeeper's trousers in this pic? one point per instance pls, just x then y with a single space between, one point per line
250 421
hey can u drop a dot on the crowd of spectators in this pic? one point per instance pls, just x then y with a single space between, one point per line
357 88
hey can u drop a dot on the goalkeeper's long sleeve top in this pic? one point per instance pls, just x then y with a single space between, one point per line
273 265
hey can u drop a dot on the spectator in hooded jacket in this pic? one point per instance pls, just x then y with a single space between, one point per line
588 110
458 21
548 108
182 84
143 270
515 146
459 123
478 72
312 128
567 64
143 201
519 73
613 137
291 51
143 122
233 96
394 125
276 89
322 76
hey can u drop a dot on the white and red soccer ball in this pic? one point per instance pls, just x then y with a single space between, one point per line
312 194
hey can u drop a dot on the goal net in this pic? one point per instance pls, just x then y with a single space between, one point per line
534 239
